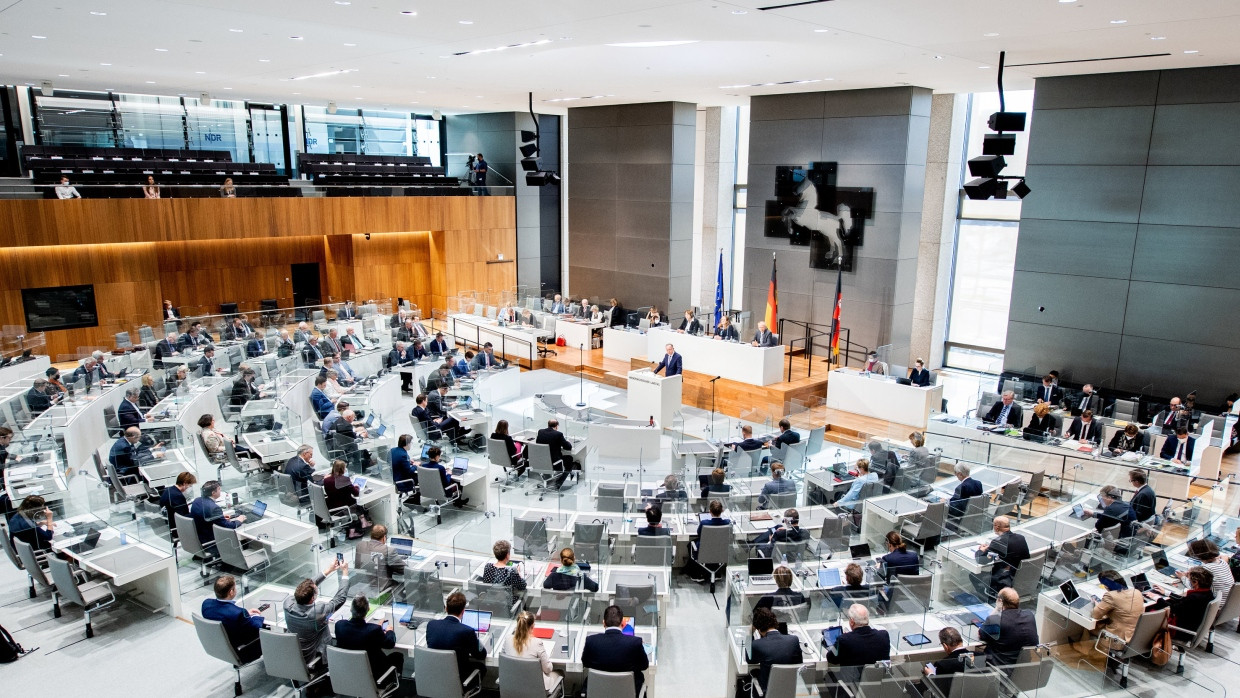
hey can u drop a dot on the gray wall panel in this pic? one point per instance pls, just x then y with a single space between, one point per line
1105 90
1084 193
592 215
644 145
1091 356
875 140
644 183
788 142
641 220
884 101
1076 247
1203 196
1196 134
1178 254
592 181
1077 302
806 105
1191 314
600 248
1214 84
589 145
1105 136
1194 367
645 114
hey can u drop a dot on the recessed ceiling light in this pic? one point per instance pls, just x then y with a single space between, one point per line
62 75
740 12
1119 21
938 58
1066 2
37 36
98 14
150 82
326 74
465 21
357 98
264 60
653 44
105 64
431 77
343 2
350 45
983 67
409 13
479 97
821 31
295 38
1157 38
236 31
991 34
1193 51
226 88
200 72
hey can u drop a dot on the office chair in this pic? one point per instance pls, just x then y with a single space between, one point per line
1149 627
282 659
233 553
215 642
91 596
351 676
438 675
781 682
521 677
335 519
434 494
1197 636
611 684
34 571
712 551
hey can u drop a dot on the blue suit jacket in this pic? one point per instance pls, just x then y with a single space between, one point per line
322 404
368 637
242 628
128 414
612 650
967 488
1172 444
207 515
451 634
122 456
671 363
402 469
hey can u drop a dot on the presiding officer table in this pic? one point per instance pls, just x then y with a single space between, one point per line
743 363
882 397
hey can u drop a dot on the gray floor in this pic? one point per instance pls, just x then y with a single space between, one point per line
135 652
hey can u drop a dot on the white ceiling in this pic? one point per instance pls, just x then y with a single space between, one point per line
406 62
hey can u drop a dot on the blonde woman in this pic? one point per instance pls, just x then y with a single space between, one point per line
228 191
522 643
332 388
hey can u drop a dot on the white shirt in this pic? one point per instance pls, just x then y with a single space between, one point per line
67 191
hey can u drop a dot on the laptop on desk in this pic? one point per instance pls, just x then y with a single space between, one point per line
1161 565
88 544
460 465
479 621
1072 597
761 571
401 546
1140 582
859 550
254 512
828 577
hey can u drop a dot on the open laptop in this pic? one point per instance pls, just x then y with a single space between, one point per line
254 512
378 433
360 483
426 451
859 550
460 465
1207 532
88 544
401 546
402 612
370 420
480 621
761 571
829 577
1072 597
1161 565
1140 583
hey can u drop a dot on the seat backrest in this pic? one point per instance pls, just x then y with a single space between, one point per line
813 443
529 537
1149 626
832 528
520 677
611 684
653 550
123 341
350 674
932 520
1203 629
1027 576
437 672
214 640
791 614
282 656
26 553
431 485
794 456
8 547
187 534
1033 675
611 497
973 685
497 453
713 548
782 681
917 586
284 483
318 501
66 585
228 544
1230 610
540 458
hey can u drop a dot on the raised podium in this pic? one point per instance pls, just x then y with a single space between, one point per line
652 395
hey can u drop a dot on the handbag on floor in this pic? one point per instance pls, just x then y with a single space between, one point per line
10 651
1160 650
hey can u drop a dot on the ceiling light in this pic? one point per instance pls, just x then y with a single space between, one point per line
1157 38
350 45
98 14
357 98
1119 21
527 44
264 60
150 82
105 64
227 88
821 31
326 74
1193 51
200 72
938 58
37 36
62 75
1066 2
991 34
236 31
343 2
465 21
295 38
654 44
983 67
162 50
740 12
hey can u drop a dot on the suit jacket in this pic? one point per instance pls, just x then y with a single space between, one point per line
309 621
38 402
242 392
436 404
1169 420
207 515
945 667
1123 608
729 333
285 347
427 421
1093 402
1040 425
128 414
1005 634
672 363
396 321
311 355
1144 503
1172 444
1092 434
1012 549
255 347
967 489
398 357
618 316
329 346
905 562
774 648
368 637
921 377
234 332
786 438
558 444
764 339
355 341
402 470
206 364
1051 394
123 455
172 501
862 646
322 404
301 472
1014 414
189 341
612 650
482 361
1118 512
449 633
302 335
438 346
242 628
691 326
163 349
348 312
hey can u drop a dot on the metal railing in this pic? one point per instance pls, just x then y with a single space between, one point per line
809 339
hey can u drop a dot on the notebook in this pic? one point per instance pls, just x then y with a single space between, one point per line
543 633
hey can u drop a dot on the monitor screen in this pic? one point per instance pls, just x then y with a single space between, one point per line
761 566
480 621
59 308
1160 560
401 546
460 464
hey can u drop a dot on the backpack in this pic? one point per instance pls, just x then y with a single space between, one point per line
10 651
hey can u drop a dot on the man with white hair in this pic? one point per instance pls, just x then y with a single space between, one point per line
354 340
285 347
967 488
164 348
860 646
303 333
104 373
1008 630
1006 411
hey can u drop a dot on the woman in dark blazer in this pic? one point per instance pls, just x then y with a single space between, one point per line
514 453
341 492
899 559
1041 423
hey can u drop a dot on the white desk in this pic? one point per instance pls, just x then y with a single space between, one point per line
623 344
882 397
739 362
36 367
510 342
626 438
576 333
135 565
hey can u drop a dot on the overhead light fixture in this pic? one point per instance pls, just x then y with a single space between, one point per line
991 34
236 31
1066 2
200 72
465 21
105 64
162 50
740 12
1193 51
296 38
328 73
1119 21
343 2
1157 38
150 82
527 44
1021 189
821 31
37 36
350 45
98 14
264 60
653 44
773 84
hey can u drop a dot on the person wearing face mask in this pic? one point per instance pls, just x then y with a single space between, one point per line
172 499
1180 449
207 514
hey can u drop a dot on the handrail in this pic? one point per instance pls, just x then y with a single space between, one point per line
503 342
813 332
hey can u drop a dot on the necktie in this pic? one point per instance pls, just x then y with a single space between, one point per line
1003 415
1084 402
1179 451
1084 431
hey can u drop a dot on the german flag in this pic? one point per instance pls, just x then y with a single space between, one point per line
835 315
772 301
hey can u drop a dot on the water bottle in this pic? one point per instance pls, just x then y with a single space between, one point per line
124 538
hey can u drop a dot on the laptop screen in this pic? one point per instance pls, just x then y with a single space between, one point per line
1078 510
1069 592
480 621
402 612
859 550
359 482
259 508
1160 560
426 451
761 566
92 539
370 419
401 546
1140 583
828 577
460 464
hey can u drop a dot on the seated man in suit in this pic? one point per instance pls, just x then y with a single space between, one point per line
439 345
1114 511
397 356
371 638
671 363
773 647
449 633
206 363
557 305
1144 502
376 560
1049 392
311 354
129 414
434 426
1174 415
441 376
318 399
1089 400
612 650
1085 429
1011 549
1005 411
38 399
285 347
128 452
437 404
207 514
192 339
1178 450
88 373
485 359
329 344
1008 630
967 489
303 333
786 437
690 324
305 615
255 346
165 348
776 487
953 663
860 646
301 469
172 499
353 340
919 374
100 365
560 448
451 486
238 330
242 626
762 337
747 443
348 311
244 390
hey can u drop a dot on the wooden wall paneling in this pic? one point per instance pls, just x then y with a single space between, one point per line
338 268
394 265
200 275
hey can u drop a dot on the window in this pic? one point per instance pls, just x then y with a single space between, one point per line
371 132
985 250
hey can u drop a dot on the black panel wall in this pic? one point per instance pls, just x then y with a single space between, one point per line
1131 238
